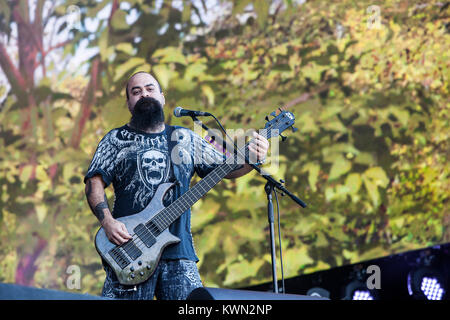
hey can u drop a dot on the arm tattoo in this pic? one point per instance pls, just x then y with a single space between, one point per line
98 210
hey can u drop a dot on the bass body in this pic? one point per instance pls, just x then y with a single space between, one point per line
136 260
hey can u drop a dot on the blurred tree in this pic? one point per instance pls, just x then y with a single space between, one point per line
369 90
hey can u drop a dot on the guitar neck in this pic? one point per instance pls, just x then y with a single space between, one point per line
165 217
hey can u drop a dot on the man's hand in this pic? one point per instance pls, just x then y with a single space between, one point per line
258 148
257 153
96 197
115 231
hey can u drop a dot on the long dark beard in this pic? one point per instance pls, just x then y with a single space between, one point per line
148 114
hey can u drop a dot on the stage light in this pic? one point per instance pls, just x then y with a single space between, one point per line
426 283
432 288
318 292
362 295
357 290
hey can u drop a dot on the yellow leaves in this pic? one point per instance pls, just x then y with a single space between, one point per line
396 28
203 212
8 265
26 174
247 72
105 50
209 94
163 74
312 71
9 220
68 171
401 115
194 70
294 61
115 111
241 229
41 212
208 239
170 54
241 270
378 175
313 173
262 11
125 47
125 68
353 182
295 259
281 49
373 253
340 166
373 178
308 123
118 21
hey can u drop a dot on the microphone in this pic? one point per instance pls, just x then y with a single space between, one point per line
180 112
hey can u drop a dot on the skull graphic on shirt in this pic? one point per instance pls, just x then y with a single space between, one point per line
153 167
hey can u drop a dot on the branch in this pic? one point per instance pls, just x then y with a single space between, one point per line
89 96
13 75
38 33
86 104
26 267
56 46
38 14
114 7
304 97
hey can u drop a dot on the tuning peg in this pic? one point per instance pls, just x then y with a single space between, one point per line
283 138
294 129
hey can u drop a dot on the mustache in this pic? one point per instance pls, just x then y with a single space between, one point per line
147 102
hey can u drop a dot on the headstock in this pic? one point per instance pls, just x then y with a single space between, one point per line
279 123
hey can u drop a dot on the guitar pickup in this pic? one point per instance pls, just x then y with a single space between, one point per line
119 257
144 235
132 250
154 227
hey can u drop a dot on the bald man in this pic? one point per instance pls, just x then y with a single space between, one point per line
135 159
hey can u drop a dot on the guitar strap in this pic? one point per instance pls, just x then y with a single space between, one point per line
171 145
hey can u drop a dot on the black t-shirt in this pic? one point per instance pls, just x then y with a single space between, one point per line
136 163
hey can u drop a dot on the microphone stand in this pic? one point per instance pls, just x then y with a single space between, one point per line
271 186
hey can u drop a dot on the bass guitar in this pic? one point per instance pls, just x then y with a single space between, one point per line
135 261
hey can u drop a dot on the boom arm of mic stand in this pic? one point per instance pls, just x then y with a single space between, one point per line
278 185
265 175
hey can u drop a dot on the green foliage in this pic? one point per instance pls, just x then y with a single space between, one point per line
370 157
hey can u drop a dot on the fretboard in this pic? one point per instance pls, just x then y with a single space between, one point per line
168 215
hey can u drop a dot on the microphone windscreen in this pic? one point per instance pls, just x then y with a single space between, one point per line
177 111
